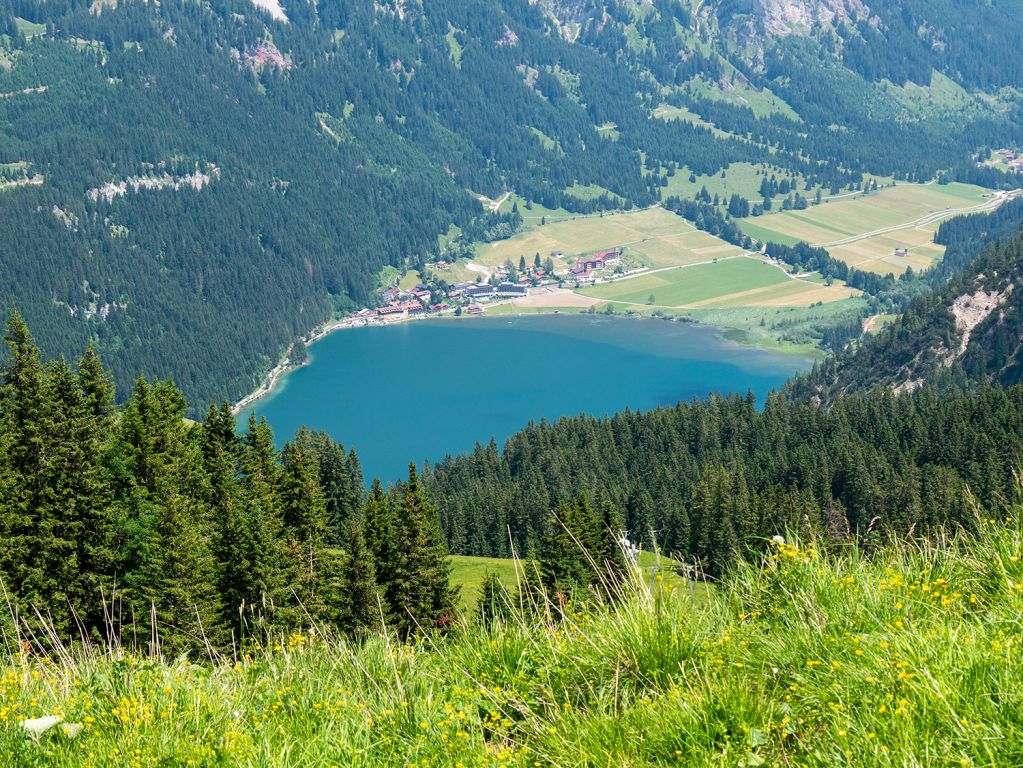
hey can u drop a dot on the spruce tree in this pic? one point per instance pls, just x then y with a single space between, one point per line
262 519
570 548
493 602
358 609
23 400
97 386
378 528
233 536
610 557
173 573
75 507
304 514
419 594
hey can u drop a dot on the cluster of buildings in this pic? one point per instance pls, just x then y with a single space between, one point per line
477 291
1014 159
470 297
586 265
398 303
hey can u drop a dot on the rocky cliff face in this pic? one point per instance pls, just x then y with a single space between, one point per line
753 19
568 15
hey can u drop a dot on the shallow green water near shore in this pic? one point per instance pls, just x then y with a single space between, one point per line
425 389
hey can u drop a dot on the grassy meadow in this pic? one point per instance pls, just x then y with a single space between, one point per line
652 237
908 657
844 218
743 281
468 572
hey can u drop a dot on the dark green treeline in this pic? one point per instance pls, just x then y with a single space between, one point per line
111 519
709 479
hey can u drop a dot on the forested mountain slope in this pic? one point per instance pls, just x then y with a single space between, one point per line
190 186
969 329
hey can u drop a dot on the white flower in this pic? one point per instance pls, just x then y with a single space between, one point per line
779 540
71 729
40 725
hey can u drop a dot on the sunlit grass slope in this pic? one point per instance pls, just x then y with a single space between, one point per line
910 657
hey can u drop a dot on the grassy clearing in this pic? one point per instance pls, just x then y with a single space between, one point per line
454 47
535 215
908 658
446 237
388 277
409 280
517 309
847 217
763 103
728 283
742 179
467 573
591 192
739 179
29 28
940 97
670 112
545 140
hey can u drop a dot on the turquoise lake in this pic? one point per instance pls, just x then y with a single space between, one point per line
426 389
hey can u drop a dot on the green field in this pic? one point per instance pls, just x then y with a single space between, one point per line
517 309
409 281
762 102
894 208
942 96
591 191
29 28
743 281
742 179
670 112
739 178
533 214
467 573
652 237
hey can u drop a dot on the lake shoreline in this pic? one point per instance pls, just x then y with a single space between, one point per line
285 366
432 389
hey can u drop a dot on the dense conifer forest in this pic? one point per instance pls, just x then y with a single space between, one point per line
116 522
156 214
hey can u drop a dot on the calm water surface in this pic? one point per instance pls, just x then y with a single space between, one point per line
426 389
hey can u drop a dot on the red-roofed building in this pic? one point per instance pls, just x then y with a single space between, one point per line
396 309
587 264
